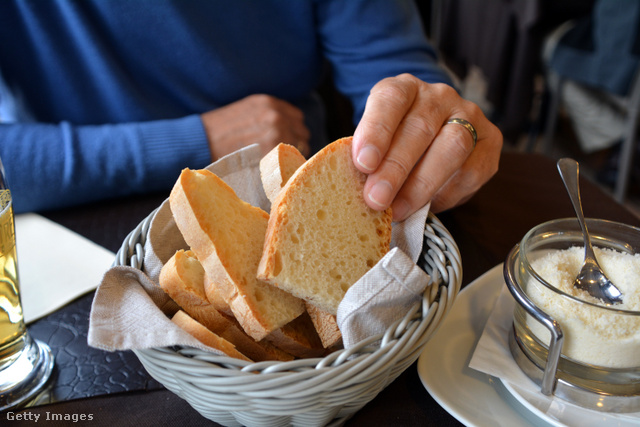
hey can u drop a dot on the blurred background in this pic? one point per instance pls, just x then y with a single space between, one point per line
558 77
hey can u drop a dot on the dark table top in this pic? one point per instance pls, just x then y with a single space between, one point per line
526 191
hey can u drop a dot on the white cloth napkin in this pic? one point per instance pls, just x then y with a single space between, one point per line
55 265
123 318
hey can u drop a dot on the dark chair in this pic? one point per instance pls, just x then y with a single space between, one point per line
601 52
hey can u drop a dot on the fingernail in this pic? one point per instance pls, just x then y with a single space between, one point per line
381 194
400 209
368 157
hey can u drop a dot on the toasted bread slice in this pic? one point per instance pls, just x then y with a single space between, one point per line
277 167
227 235
205 336
326 326
322 237
182 278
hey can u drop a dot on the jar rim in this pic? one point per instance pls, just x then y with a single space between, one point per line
573 221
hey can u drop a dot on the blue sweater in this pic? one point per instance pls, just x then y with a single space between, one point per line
101 99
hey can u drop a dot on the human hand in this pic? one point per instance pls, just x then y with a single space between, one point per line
260 119
413 156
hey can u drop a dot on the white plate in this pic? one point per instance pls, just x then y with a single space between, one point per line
561 413
478 399
474 398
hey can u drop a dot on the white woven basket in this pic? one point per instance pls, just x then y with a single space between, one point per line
305 392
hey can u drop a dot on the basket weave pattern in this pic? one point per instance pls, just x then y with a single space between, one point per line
305 392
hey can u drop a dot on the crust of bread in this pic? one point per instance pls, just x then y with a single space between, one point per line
298 338
227 235
277 167
179 278
182 278
215 297
322 237
326 326
205 336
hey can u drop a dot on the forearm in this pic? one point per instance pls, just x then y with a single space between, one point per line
51 166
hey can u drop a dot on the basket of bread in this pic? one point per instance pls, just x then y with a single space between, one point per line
271 294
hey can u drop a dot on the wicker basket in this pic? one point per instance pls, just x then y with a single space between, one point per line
305 392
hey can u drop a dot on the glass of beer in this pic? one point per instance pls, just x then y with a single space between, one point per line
25 363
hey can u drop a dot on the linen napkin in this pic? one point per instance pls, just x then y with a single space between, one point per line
380 297
130 310
55 265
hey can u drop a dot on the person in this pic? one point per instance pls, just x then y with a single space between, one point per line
106 98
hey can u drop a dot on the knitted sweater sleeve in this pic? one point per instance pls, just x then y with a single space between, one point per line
42 161
366 41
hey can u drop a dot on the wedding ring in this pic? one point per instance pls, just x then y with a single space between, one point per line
468 126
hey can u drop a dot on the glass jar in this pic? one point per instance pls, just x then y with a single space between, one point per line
574 347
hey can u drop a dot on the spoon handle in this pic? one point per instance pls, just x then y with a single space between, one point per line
570 172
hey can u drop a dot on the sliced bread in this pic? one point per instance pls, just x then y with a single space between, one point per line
326 326
277 167
275 170
205 336
215 297
298 338
182 278
322 237
227 236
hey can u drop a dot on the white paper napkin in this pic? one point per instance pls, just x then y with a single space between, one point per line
55 265
117 326
492 355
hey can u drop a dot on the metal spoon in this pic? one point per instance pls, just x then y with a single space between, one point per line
591 277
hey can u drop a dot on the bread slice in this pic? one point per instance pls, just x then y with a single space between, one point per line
326 326
182 278
227 235
215 297
298 338
277 167
322 237
275 170
205 336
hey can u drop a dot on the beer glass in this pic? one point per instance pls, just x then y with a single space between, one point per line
25 363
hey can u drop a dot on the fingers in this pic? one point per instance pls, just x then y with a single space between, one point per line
383 113
445 156
445 178
413 156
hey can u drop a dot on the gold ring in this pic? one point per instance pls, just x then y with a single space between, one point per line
468 126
